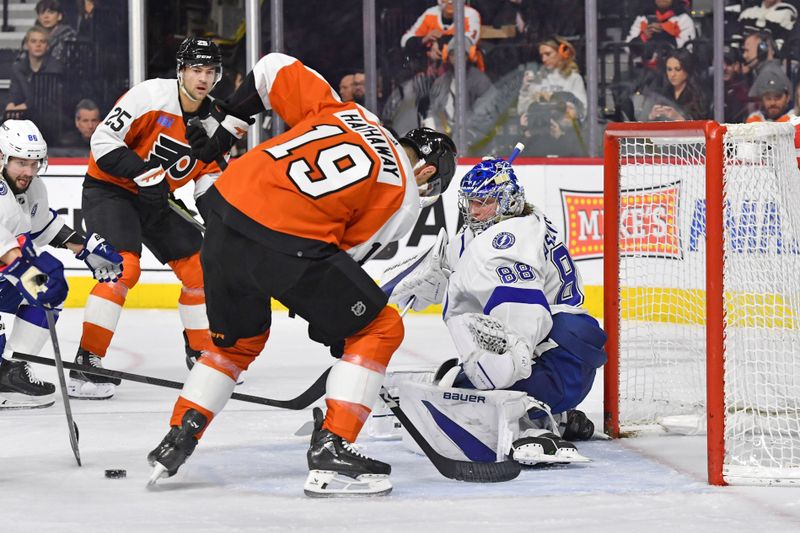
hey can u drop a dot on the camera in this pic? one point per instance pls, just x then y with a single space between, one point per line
540 113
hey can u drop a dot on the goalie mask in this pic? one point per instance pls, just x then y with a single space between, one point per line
21 139
437 149
489 193
199 51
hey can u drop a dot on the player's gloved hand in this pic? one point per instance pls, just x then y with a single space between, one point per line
423 277
231 128
336 347
40 279
101 258
153 193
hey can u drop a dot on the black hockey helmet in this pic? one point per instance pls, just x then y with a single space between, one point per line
199 51
435 149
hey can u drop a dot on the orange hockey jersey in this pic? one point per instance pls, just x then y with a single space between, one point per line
335 177
147 124
431 19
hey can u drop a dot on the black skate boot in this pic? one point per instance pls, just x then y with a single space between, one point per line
338 469
540 447
577 427
85 386
177 446
21 389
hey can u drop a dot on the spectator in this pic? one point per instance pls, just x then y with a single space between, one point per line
665 25
86 29
757 50
773 16
346 88
558 73
736 88
87 118
772 87
49 15
35 59
687 101
441 112
434 28
359 87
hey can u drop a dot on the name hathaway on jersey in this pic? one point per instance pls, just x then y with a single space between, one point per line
375 137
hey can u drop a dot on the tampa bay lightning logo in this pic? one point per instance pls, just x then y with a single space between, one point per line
503 240
3 188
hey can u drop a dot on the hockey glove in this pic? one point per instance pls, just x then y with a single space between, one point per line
423 277
101 258
493 358
40 279
230 130
153 194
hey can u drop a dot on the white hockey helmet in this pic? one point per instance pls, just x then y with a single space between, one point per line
22 139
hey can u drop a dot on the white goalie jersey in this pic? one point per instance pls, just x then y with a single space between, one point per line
29 213
517 271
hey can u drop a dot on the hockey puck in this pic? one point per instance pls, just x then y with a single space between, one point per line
116 473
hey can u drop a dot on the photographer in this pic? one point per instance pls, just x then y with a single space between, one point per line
552 128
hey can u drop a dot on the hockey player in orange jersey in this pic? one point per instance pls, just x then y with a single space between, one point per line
292 220
139 155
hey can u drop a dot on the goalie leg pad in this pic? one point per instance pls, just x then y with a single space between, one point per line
463 424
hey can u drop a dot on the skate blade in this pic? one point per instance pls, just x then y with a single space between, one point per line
557 459
159 471
305 430
86 390
13 400
328 484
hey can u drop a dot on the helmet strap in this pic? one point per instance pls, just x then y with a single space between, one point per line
183 89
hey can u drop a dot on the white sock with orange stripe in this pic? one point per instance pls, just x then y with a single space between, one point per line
206 388
352 388
101 315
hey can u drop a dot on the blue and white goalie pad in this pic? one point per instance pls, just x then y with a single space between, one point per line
464 424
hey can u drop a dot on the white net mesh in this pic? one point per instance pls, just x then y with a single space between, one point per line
662 292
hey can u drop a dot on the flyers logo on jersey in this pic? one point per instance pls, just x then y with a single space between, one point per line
648 222
175 157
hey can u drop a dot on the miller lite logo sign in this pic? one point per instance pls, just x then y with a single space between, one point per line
648 222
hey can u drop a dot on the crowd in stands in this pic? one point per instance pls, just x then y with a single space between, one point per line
67 72
525 66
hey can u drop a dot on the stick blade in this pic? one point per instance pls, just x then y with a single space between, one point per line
480 472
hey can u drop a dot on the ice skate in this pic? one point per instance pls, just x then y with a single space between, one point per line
539 446
176 447
85 386
336 468
21 389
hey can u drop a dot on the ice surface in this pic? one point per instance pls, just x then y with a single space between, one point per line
247 474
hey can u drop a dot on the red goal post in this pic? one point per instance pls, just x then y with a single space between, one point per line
695 212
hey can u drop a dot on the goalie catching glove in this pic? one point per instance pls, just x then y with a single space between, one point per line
422 277
101 258
492 357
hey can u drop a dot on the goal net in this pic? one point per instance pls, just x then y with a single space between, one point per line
702 290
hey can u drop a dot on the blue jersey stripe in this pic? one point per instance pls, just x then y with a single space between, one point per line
505 294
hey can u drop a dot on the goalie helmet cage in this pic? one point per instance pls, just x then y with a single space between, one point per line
702 290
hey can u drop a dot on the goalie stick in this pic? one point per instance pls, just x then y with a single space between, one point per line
73 427
306 398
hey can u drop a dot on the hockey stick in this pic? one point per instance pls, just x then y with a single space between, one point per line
185 215
73 427
306 398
